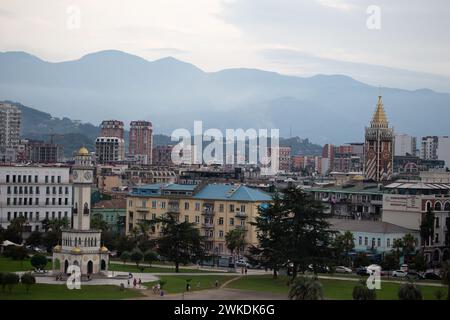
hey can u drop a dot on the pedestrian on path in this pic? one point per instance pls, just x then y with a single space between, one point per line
134 283
140 282
217 283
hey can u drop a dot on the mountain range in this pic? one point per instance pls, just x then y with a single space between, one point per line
172 94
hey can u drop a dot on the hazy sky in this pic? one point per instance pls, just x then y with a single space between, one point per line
410 50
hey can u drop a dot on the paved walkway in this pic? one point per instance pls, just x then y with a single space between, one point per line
215 294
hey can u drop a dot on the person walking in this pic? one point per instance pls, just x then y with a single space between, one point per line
140 282
134 283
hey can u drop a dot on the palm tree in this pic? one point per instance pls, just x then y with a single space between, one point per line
306 288
235 240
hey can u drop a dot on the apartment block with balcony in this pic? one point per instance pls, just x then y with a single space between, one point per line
36 193
214 208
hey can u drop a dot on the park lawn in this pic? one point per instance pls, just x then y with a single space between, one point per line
10 265
177 283
60 292
333 289
134 269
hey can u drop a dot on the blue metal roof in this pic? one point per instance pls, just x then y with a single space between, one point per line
228 192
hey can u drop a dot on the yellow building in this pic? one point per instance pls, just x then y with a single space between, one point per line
214 208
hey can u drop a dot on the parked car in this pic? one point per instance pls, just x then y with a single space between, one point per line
414 275
319 269
242 264
432 276
399 274
342 269
404 267
362 271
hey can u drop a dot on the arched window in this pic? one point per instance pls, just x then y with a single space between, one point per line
86 208
447 206
429 207
437 206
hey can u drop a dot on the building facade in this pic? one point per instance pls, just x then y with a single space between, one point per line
141 140
36 193
42 152
109 149
10 123
162 155
112 128
379 156
214 208
405 145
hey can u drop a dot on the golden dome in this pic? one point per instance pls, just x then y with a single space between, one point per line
57 248
76 250
104 249
358 177
83 152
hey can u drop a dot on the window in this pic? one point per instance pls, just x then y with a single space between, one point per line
436 238
231 207
220 221
36 202
67 190
8 201
37 216
231 221
220 233
437 222
186 206
221 207
7 178
37 190
9 216
60 190
19 179
197 219
186 218
366 241
388 242
8 190
153 204
59 179
163 204
243 208
46 215
53 179
379 242
46 179
54 190
197 206
153 216
35 179
14 178
47 190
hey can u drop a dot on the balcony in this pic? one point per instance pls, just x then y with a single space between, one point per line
142 209
207 225
241 215
173 209
208 212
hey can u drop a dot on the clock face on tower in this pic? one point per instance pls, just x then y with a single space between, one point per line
87 175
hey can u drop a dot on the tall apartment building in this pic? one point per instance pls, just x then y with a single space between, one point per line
36 193
162 155
284 158
112 128
436 148
379 155
344 158
215 209
405 145
109 149
10 122
141 140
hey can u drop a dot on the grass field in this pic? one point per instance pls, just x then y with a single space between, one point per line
9 265
60 292
134 269
333 289
177 284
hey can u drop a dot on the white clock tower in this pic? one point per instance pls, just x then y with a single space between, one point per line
81 246
82 174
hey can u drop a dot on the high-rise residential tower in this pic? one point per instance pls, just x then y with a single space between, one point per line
112 128
141 140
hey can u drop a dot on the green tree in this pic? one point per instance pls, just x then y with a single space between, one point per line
137 256
50 239
409 291
150 256
409 244
362 292
10 280
14 230
28 280
343 244
308 233
306 288
397 247
271 234
125 256
420 263
180 243
427 228
390 262
39 261
19 253
97 223
35 239
235 240
361 260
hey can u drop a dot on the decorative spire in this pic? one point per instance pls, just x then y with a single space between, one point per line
379 118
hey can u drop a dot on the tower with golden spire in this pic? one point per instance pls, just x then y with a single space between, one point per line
378 148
